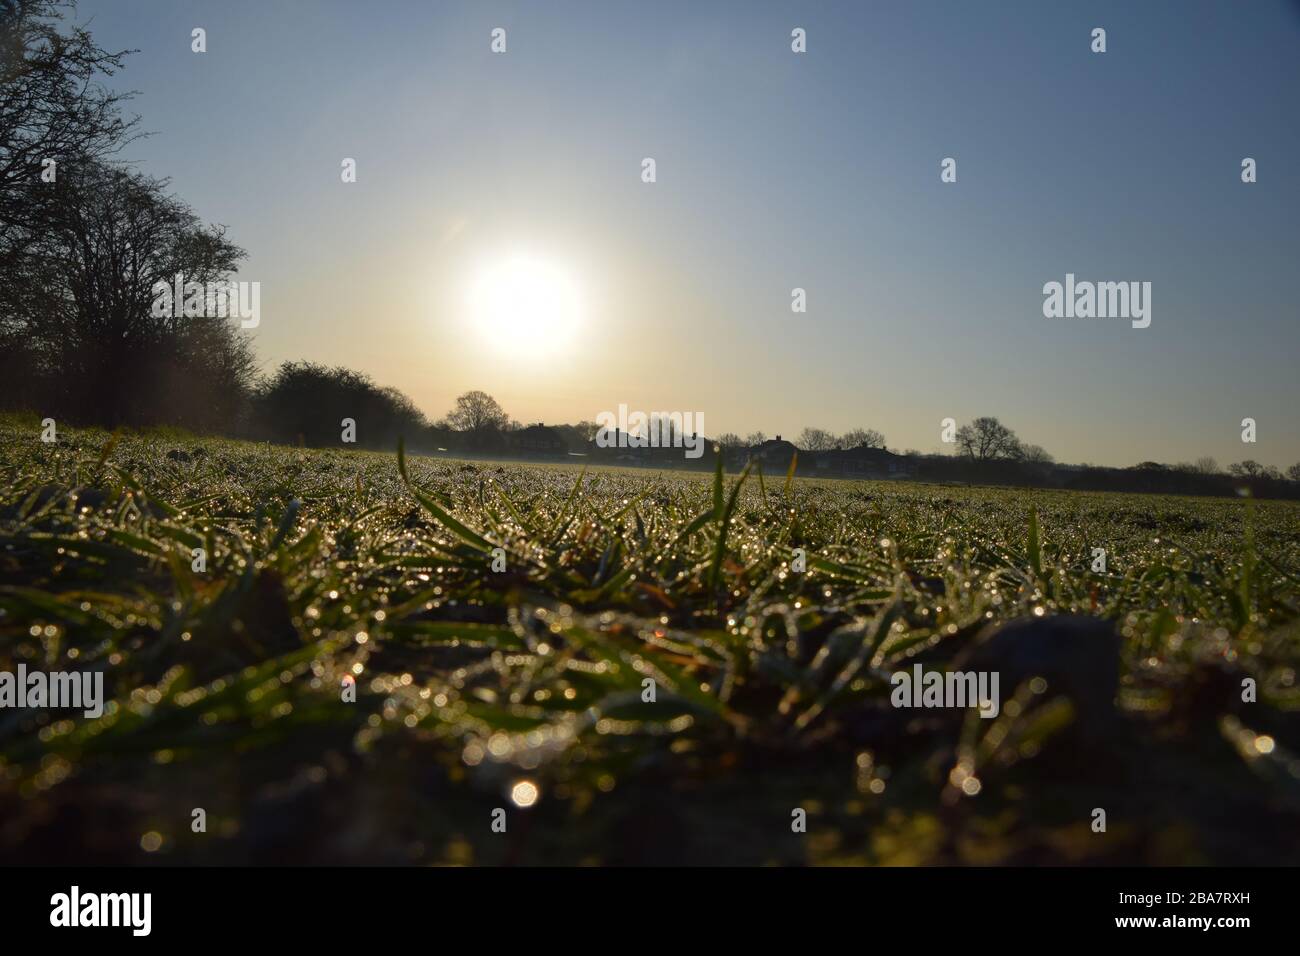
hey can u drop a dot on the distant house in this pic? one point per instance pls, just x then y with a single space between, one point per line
536 440
617 448
862 462
632 448
773 455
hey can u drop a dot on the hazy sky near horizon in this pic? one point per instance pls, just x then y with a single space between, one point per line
775 170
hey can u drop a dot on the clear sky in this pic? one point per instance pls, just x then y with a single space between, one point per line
775 170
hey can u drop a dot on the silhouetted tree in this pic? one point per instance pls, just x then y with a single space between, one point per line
1035 455
1248 469
815 439
476 411
310 401
53 106
79 296
987 438
863 438
479 418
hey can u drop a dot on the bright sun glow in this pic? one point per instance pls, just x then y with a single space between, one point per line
525 307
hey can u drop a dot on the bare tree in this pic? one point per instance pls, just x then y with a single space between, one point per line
729 440
1036 455
79 296
815 439
477 412
987 438
755 438
1294 472
1253 469
53 106
1205 465
863 438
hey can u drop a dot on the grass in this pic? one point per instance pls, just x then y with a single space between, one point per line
772 686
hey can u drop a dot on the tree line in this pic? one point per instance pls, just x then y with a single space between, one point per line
86 241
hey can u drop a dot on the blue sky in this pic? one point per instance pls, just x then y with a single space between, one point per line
775 171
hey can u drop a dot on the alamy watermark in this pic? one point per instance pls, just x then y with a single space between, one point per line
957 689
651 430
226 299
75 908
1100 300
82 690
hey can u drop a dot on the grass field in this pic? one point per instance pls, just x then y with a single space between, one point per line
772 686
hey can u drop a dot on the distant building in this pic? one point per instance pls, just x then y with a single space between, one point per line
862 462
617 448
536 440
774 454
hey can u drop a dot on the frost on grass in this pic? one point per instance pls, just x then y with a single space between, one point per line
766 615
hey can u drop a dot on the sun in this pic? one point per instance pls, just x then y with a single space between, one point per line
525 306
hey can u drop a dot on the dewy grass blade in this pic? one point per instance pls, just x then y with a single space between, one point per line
724 522
466 534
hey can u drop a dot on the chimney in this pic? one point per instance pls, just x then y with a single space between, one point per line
778 437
